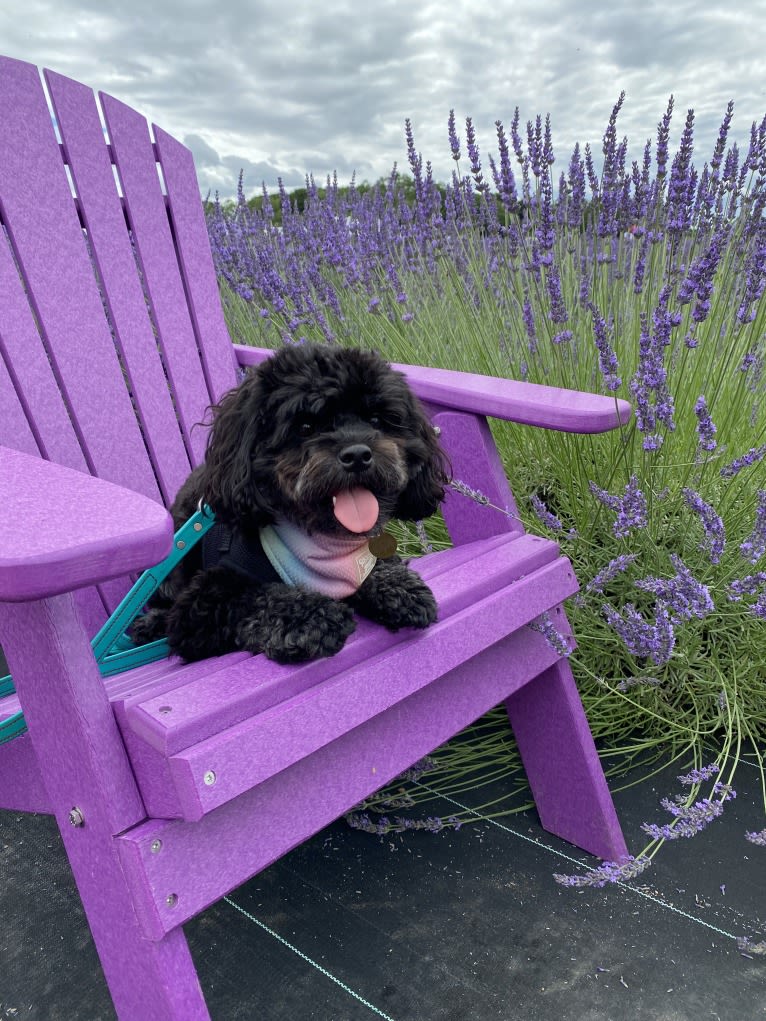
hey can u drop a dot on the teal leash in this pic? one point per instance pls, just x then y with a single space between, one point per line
113 648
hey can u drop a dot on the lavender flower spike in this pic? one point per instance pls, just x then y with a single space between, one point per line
544 516
607 359
465 490
454 141
712 524
753 456
754 547
610 572
705 428
682 596
752 585
643 639
688 820
558 642
631 508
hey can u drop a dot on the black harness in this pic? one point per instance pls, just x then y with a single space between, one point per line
225 547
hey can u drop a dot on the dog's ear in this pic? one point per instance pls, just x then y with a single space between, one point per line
428 468
236 473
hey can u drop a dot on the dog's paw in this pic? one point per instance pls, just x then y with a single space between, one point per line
149 627
203 620
297 625
396 597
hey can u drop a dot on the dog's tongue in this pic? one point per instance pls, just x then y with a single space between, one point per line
356 509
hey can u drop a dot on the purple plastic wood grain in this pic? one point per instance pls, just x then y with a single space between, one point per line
299 801
547 716
103 216
199 708
196 261
14 428
145 205
84 766
36 386
252 751
548 407
475 463
66 530
37 208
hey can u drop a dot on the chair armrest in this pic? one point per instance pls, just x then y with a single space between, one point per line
63 529
549 407
526 403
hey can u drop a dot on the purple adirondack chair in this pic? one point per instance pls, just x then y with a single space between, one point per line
174 783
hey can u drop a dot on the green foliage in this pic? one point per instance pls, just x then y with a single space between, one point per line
632 291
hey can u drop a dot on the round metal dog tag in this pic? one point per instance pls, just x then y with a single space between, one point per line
383 545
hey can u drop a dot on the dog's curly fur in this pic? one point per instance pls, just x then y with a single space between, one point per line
274 453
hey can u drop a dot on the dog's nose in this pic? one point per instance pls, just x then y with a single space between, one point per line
356 457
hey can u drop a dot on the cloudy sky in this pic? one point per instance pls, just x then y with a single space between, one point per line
296 86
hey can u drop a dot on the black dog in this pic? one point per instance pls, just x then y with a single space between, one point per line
307 459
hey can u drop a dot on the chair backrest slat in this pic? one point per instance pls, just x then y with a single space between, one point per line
145 205
14 428
36 384
104 220
196 260
37 207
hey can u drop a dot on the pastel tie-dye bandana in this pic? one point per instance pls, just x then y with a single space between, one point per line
328 564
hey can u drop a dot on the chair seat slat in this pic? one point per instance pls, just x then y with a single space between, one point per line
220 698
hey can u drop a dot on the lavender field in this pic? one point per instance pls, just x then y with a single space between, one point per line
644 281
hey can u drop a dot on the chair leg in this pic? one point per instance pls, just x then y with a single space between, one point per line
562 764
92 791
146 979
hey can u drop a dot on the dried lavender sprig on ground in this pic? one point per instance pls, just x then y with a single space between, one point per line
610 872
688 820
699 775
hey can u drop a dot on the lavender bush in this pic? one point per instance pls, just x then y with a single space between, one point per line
644 281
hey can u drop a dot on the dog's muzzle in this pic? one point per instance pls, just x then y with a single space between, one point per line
357 457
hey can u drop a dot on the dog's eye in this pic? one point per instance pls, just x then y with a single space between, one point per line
375 421
306 428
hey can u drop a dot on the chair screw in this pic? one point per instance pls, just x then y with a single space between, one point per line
156 846
76 817
209 778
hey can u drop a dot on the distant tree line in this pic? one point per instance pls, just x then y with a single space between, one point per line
299 197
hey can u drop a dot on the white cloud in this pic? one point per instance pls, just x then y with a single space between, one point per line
303 87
